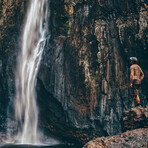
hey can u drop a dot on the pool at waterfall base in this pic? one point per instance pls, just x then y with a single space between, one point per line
42 146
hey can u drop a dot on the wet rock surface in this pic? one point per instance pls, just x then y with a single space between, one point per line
135 118
94 78
136 138
11 19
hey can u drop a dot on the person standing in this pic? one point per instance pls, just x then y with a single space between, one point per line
136 76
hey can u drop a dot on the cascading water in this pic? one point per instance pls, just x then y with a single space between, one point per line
33 42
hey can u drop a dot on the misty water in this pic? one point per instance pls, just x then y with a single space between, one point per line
45 146
33 42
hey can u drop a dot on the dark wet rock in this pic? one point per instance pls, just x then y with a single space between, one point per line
11 18
2 137
136 138
89 73
135 118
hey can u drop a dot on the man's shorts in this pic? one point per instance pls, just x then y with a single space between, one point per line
136 86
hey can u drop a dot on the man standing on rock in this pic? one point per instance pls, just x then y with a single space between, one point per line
136 76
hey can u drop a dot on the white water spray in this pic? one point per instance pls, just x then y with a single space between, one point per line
33 42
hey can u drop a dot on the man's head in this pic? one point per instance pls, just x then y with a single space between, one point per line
133 60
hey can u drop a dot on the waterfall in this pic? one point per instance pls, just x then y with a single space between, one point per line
33 42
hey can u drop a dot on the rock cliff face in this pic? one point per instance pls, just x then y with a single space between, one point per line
11 18
83 81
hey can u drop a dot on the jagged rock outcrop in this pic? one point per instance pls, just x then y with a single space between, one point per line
83 81
135 118
136 138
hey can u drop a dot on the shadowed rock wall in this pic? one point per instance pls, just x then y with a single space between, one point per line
11 18
89 74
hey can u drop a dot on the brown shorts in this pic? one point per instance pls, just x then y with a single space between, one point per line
136 86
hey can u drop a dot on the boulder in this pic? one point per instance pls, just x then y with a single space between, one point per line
136 138
135 118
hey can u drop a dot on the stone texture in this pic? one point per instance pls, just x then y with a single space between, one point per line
136 138
11 18
96 69
135 118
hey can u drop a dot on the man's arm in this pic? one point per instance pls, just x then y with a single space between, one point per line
142 74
